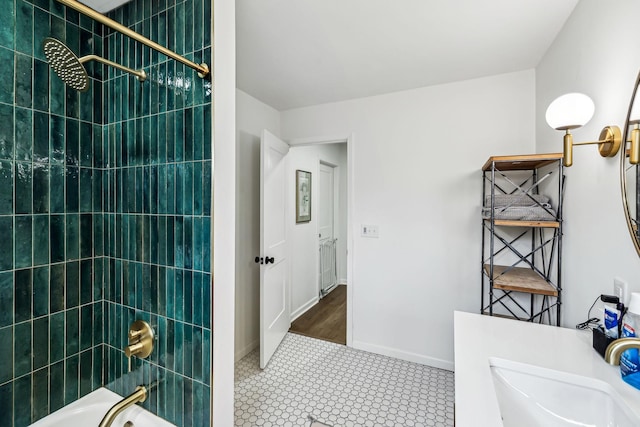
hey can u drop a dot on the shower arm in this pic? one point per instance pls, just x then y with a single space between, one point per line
202 69
140 74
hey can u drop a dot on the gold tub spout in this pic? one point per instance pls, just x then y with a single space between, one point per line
138 396
616 348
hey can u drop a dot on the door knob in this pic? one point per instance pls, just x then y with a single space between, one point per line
259 260
268 260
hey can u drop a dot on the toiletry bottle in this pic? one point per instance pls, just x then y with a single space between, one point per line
611 316
629 363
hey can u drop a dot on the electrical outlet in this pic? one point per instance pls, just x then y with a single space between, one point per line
621 290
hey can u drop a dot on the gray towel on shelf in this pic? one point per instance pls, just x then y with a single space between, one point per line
521 199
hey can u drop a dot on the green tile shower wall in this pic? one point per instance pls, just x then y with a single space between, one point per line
157 221
51 204
108 211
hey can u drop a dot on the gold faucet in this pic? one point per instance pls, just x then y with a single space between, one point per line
141 338
138 396
616 348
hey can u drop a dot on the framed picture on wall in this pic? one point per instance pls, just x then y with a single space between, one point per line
303 196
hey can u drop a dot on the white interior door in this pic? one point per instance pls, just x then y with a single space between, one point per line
274 288
325 203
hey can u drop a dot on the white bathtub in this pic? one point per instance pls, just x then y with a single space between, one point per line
89 411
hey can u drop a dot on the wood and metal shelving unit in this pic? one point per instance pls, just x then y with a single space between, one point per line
522 259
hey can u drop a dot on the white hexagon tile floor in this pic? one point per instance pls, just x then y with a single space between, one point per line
339 386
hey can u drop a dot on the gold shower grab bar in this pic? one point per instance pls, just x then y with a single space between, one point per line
202 69
140 74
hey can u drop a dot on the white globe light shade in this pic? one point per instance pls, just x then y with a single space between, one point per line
570 111
635 112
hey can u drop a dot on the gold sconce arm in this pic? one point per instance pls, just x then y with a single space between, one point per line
634 150
608 143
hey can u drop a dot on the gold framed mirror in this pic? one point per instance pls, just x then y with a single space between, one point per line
630 169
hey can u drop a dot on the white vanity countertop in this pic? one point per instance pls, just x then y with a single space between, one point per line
479 337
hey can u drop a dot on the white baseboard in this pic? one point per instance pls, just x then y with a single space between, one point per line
404 355
246 350
342 281
306 306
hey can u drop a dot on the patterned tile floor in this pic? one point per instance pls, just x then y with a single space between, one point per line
340 386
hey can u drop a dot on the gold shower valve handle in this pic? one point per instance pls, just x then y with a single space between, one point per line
141 338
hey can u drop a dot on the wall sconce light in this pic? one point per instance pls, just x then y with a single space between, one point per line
574 110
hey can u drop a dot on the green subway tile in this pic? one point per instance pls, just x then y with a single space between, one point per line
40 394
56 94
57 339
198 133
86 228
197 298
40 291
40 188
170 240
72 236
6 255
72 103
86 144
22 293
180 189
179 242
6 398
56 238
207 135
72 289
22 349
86 368
72 147
40 342
56 382
206 357
6 188
6 358
179 400
56 288
56 183
198 24
58 28
23 134
207 183
188 296
41 31
197 244
188 242
40 240
40 86
23 72
24 190
72 189
40 137
179 294
6 296
71 381
187 361
72 326
23 235
7 26
179 137
86 281
188 134
86 326
57 139
188 27
188 189
86 190
206 301
6 132
24 27
22 400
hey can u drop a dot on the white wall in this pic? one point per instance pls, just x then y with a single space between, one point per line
417 160
224 215
252 117
304 236
596 53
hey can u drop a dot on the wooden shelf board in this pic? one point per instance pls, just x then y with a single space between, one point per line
522 162
520 279
504 316
516 223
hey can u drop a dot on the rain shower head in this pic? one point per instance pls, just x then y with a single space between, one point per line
70 68
66 64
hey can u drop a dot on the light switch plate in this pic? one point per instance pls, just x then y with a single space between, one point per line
621 290
369 231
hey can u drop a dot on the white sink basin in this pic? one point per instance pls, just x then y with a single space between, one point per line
533 396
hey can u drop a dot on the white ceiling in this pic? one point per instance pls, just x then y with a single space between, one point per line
104 6
294 53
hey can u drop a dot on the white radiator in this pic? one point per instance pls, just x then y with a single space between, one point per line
328 266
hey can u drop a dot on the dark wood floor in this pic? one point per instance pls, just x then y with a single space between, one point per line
326 320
